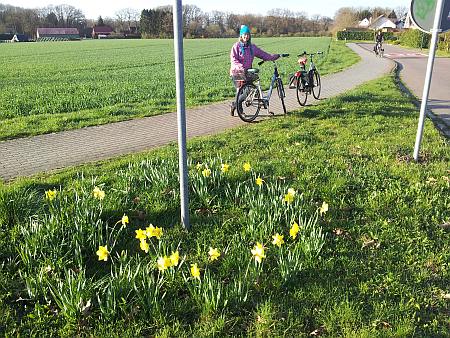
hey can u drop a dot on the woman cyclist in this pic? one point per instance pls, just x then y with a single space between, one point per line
242 54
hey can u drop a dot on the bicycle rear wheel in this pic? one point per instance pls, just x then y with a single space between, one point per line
302 92
248 102
281 93
317 86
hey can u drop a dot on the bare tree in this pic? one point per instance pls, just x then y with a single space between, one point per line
127 18
345 17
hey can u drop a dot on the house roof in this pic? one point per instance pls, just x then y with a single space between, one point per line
382 21
58 31
102 29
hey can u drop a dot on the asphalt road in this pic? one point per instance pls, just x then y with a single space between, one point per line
413 66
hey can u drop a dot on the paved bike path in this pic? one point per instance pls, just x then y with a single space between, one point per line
413 65
32 155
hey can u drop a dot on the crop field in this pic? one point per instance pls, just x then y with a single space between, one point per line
47 87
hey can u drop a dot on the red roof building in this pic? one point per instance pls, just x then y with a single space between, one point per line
101 31
66 33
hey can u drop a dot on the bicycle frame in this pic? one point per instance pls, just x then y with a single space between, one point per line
250 98
275 76
304 74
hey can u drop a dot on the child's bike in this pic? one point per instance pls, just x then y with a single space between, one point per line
250 97
306 81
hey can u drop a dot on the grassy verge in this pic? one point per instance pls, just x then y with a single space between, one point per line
141 86
383 269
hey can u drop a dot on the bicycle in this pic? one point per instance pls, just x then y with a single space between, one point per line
250 97
306 81
379 50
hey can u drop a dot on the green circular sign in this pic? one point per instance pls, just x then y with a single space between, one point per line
423 12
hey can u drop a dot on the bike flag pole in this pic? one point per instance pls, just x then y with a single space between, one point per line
426 88
181 112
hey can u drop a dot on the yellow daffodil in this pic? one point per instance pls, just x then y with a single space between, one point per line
151 231
102 253
141 234
98 193
163 263
206 172
224 168
174 258
288 198
213 254
258 252
195 271
144 245
294 230
199 166
277 239
259 181
247 166
124 220
324 208
50 194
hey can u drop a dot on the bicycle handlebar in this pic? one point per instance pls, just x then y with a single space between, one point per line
281 56
305 53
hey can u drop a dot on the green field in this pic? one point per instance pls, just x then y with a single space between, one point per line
48 87
376 264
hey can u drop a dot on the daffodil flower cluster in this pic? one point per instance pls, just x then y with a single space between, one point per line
165 262
50 194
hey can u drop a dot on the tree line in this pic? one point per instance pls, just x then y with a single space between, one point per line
26 21
158 22
196 23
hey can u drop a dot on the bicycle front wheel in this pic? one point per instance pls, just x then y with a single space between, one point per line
248 102
317 86
302 92
281 93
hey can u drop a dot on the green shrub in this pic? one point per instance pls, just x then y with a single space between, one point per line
355 35
415 38
363 35
444 42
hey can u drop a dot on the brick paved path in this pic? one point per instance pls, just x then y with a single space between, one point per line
31 155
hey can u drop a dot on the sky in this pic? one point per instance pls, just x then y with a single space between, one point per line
107 8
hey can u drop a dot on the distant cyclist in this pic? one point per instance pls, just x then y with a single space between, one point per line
241 56
379 38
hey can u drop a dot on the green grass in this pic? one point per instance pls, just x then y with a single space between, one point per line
58 86
383 269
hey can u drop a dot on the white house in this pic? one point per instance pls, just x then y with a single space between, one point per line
365 23
382 22
408 22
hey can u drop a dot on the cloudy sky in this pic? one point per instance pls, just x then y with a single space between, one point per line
94 8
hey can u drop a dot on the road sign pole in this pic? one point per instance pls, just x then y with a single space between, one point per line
426 88
181 111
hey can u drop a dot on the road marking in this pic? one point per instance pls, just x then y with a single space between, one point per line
404 55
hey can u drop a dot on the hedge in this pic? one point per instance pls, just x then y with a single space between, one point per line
362 35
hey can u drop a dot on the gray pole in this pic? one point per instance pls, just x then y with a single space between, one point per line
181 112
426 88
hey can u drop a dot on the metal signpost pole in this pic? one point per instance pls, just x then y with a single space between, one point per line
181 111
426 89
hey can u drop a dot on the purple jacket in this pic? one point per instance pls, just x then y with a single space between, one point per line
240 63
